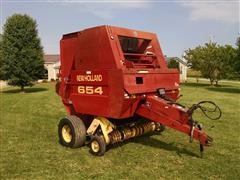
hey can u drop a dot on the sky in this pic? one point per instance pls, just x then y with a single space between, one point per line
179 24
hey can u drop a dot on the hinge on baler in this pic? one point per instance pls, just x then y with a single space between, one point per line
195 124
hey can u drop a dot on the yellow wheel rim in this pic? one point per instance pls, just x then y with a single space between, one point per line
95 146
66 133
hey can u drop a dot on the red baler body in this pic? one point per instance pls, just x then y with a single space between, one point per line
96 52
115 73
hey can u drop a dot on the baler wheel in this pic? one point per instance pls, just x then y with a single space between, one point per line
71 131
97 145
161 128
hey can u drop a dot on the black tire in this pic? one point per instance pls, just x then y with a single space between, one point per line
100 143
71 132
161 128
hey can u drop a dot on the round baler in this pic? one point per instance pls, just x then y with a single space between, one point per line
115 85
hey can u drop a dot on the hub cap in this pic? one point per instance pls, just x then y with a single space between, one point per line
95 146
66 133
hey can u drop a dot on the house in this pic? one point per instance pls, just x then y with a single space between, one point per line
182 66
52 65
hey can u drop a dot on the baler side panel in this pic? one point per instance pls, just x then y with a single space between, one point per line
68 48
109 103
150 82
91 50
113 48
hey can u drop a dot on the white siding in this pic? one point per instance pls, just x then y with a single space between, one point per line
183 72
53 70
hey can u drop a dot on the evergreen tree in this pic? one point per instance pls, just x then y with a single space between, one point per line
22 53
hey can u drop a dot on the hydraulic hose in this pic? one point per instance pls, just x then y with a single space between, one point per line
206 110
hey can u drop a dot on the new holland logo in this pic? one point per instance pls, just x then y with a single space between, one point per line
91 78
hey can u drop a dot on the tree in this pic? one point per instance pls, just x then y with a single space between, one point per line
228 54
214 61
22 61
1 55
172 63
237 59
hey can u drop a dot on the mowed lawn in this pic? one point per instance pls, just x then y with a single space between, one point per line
30 149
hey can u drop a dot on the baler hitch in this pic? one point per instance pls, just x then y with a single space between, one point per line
205 110
163 110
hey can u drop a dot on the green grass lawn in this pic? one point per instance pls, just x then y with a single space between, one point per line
30 149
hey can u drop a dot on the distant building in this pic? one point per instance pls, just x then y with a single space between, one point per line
52 64
182 66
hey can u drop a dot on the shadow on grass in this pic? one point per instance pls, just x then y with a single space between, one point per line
27 90
150 141
224 89
195 84
147 140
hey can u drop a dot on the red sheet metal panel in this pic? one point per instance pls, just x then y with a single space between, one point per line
105 70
